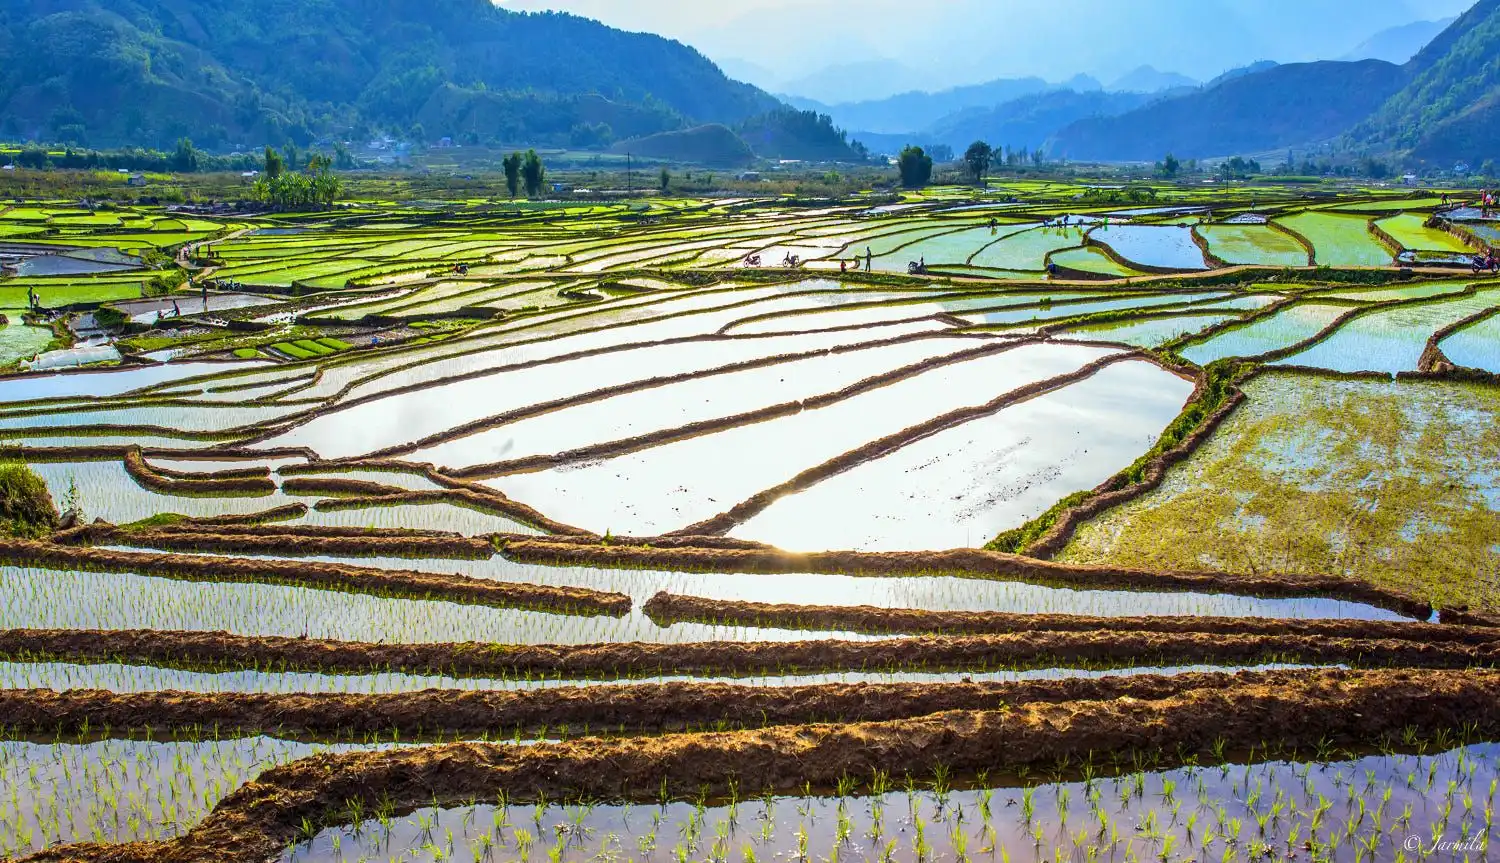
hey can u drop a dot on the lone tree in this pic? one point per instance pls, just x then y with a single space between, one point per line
1169 166
666 179
977 160
274 164
532 173
915 167
512 165
185 159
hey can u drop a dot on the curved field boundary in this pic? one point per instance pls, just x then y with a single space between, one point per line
290 532
546 320
739 513
1434 361
332 406
668 608
1149 269
1305 243
610 449
639 385
1214 398
316 485
1213 260
235 541
324 576
1459 231
258 821
1171 348
969 562
1210 405
186 484
1391 243
1093 649
1359 311
459 493
612 709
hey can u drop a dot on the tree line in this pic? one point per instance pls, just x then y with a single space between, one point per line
285 188
524 168
915 164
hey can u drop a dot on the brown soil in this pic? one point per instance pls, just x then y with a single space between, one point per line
313 485
149 477
964 562
1100 648
611 709
234 541
668 608
232 473
1469 616
296 531
254 520
357 579
259 820
473 496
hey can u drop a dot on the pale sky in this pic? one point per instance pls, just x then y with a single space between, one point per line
947 42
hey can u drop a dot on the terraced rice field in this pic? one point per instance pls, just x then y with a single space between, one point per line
487 536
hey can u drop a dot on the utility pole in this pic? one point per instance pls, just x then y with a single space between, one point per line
628 188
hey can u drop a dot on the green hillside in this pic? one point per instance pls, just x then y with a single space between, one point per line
103 72
1288 105
714 144
1448 111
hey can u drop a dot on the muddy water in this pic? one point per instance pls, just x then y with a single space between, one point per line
1376 808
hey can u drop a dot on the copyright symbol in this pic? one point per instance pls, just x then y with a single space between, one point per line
1412 843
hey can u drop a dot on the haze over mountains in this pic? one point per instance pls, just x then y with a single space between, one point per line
227 73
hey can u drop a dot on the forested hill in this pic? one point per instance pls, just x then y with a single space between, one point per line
1290 105
1450 109
102 72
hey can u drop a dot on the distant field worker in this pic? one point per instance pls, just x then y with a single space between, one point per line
869 259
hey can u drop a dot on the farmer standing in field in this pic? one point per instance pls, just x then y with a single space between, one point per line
869 259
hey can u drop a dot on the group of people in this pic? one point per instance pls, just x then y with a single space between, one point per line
844 266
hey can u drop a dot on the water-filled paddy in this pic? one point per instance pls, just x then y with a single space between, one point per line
1389 341
1253 244
1282 329
1166 246
675 485
1388 481
128 790
1476 346
1214 812
1339 240
996 472
1148 333
619 367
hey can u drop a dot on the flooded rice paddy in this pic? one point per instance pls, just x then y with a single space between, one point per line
443 391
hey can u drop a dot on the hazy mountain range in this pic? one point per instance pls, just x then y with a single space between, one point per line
224 72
